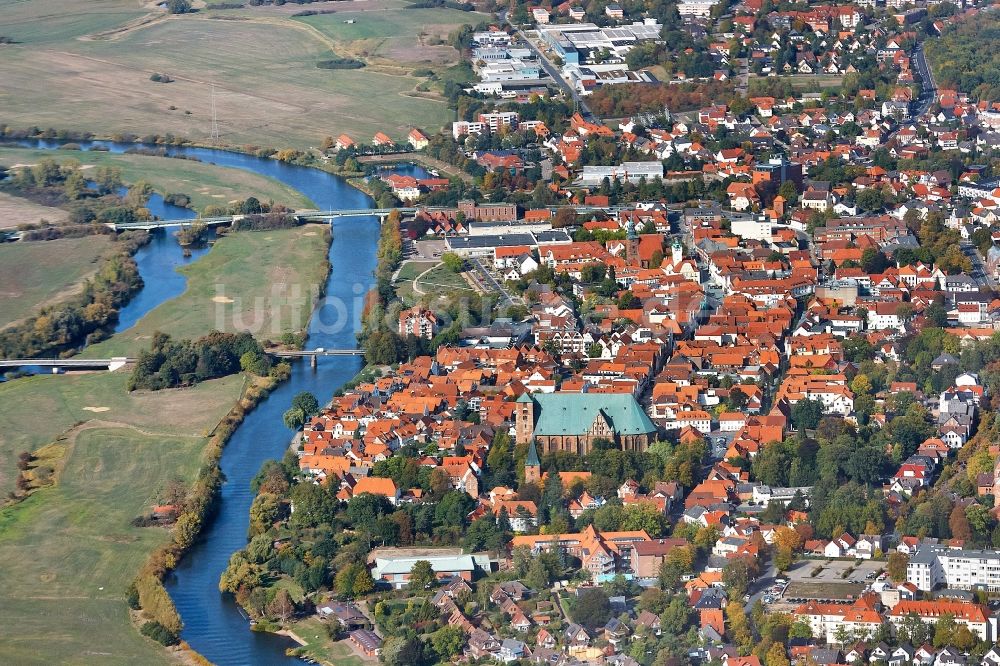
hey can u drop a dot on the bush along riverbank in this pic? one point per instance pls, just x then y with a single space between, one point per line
154 613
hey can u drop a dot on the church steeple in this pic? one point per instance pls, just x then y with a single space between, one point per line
631 243
532 465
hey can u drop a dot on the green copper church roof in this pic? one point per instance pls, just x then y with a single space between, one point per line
574 413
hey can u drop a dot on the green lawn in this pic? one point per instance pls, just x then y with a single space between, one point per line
38 273
54 21
396 35
206 184
69 551
72 631
258 281
64 401
442 280
426 281
320 647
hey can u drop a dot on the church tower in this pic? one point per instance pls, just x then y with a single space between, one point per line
532 465
524 419
676 252
631 244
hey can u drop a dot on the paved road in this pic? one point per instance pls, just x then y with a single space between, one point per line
979 272
759 587
929 91
556 75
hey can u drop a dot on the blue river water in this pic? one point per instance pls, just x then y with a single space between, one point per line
213 623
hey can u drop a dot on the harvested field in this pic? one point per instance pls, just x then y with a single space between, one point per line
15 211
268 88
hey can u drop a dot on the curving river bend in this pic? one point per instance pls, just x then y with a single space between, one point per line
213 623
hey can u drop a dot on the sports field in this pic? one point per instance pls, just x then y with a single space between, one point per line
44 272
69 550
206 184
258 281
268 90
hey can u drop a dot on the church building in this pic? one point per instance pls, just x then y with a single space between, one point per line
572 421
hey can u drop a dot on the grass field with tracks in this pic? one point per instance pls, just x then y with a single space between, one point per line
258 281
44 272
15 211
206 184
69 550
93 72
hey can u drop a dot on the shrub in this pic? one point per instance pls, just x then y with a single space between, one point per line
338 62
159 633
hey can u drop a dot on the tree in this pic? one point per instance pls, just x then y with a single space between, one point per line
343 582
307 402
789 192
452 262
676 617
944 630
421 575
776 655
178 6
255 363
736 576
537 577
739 626
958 522
363 583
282 607
592 608
564 217
294 418
447 641
806 414
263 513
896 566
870 199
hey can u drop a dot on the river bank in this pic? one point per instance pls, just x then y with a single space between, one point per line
213 625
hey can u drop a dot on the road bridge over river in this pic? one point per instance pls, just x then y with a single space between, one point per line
326 216
111 364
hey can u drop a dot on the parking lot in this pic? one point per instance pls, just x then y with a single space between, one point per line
830 580
834 570
429 249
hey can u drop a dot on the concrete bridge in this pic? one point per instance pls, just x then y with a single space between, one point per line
313 354
303 215
110 364
327 216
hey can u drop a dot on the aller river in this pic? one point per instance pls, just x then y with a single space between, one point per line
213 623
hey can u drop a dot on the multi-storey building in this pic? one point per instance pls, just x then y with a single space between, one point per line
935 565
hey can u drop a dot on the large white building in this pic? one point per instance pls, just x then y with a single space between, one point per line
629 172
702 8
935 565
